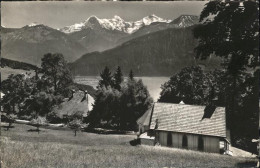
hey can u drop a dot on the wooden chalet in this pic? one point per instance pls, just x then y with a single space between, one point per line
184 126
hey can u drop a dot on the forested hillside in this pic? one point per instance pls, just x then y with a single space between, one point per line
159 53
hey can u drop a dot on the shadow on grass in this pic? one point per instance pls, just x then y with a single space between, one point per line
247 164
8 127
135 142
34 130
106 131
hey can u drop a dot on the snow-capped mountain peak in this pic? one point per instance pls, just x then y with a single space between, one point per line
116 23
92 19
186 20
145 22
153 18
116 17
33 24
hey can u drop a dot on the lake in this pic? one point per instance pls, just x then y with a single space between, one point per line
153 83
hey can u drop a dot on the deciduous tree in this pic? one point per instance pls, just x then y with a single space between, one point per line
230 30
189 85
37 122
75 125
56 72
16 89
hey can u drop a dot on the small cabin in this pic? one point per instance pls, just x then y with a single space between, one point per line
185 126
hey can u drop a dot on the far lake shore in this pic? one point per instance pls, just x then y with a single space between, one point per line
153 83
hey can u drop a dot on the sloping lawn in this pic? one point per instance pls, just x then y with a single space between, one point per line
60 149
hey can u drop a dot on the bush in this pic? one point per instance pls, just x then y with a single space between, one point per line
77 115
26 117
54 118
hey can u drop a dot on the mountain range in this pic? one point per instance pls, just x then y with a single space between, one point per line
29 43
160 53
180 22
116 23
103 34
144 44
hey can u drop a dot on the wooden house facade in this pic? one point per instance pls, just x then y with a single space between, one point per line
183 126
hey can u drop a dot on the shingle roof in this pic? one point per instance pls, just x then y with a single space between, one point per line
145 118
68 107
188 119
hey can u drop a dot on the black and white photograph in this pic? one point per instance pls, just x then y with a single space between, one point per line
130 84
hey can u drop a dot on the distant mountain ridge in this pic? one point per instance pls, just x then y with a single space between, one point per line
17 65
180 22
29 43
186 20
103 34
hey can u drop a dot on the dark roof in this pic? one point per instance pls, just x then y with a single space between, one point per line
188 119
145 118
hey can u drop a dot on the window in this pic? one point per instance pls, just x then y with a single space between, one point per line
184 141
169 139
200 143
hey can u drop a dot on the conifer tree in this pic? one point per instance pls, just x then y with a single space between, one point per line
131 75
118 78
106 78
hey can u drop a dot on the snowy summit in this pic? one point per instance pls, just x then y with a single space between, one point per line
33 24
116 23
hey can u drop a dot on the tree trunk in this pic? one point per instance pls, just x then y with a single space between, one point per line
9 126
75 131
13 107
36 74
233 108
19 108
38 129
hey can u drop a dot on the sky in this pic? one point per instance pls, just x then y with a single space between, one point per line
63 13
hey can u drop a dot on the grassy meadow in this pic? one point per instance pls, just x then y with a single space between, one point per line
21 147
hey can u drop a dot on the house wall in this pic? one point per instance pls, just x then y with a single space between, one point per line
149 142
211 144
143 128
